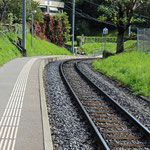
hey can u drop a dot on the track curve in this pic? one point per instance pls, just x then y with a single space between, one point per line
114 126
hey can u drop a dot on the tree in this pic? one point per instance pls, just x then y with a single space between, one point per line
3 6
15 7
121 13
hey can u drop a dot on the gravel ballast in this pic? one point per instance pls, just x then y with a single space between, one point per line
69 129
139 108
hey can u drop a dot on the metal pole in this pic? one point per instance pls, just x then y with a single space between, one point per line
73 23
144 40
48 6
137 33
129 31
24 25
102 42
32 32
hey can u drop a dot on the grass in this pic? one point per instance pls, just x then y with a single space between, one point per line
7 50
42 47
130 68
128 45
70 43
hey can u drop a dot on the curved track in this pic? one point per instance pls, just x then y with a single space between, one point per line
114 126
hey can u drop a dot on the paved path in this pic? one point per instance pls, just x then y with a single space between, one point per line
20 109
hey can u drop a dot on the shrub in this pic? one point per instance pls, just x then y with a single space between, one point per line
55 29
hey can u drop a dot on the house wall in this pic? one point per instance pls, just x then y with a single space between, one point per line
54 6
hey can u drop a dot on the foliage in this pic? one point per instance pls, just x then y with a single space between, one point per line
84 24
3 6
121 13
42 47
83 27
15 9
143 12
7 50
131 69
54 29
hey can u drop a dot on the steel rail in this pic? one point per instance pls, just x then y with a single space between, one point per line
117 105
100 138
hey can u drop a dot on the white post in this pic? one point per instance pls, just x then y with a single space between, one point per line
129 30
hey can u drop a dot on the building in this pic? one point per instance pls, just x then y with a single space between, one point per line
51 7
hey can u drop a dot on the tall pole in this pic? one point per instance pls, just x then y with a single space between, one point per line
73 23
32 32
48 6
24 25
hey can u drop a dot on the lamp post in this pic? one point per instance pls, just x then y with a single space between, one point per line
33 12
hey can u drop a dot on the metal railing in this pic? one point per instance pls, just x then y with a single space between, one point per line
98 51
143 40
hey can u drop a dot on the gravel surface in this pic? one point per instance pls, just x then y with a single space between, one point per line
136 106
69 129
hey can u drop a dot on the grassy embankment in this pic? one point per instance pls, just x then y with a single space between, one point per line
40 47
7 50
129 68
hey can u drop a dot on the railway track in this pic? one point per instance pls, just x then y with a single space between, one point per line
114 127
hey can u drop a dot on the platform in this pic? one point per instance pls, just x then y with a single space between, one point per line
23 113
21 117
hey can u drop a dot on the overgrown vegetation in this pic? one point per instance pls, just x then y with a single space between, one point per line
55 29
11 11
131 69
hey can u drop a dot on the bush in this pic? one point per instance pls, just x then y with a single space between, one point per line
55 29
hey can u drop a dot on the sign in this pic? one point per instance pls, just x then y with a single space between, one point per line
105 31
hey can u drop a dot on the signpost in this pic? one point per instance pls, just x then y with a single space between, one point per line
105 31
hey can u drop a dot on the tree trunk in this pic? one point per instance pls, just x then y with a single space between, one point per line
120 41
